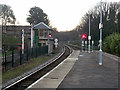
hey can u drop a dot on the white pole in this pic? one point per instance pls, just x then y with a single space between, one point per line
89 36
48 43
1 47
100 51
31 37
82 45
0 31
22 41
92 45
85 46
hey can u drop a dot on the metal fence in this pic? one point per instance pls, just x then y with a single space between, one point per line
15 58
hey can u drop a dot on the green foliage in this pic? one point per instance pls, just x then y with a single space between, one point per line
10 41
7 15
37 15
111 20
111 44
118 21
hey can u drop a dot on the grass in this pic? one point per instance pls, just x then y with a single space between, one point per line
12 73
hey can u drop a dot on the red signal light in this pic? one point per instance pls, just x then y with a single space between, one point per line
50 35
83 36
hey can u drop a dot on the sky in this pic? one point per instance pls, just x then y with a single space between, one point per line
63 14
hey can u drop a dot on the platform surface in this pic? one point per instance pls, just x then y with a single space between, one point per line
86 73
56 76
81 70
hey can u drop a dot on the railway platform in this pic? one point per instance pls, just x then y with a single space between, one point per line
81 70
86 73
53 78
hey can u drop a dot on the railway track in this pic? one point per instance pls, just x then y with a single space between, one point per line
75 47
31 78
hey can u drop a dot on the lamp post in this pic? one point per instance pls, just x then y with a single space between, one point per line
100 27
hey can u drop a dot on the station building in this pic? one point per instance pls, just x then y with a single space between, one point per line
41 36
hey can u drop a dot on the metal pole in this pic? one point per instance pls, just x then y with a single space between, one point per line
100 51
89 36
22 41
20 57
92 45
48 43
5 61
82 46
31 37
85 46
12 58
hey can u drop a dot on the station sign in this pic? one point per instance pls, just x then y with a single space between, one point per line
89 37
92 42
56 42
100 25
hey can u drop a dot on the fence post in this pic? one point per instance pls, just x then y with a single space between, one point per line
5 61
46 48
12 58
41 50
36 51
20 57
32 52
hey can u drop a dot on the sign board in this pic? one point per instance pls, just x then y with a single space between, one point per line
56 44
100 26
89 37
82 44
100 41
56 40
85 42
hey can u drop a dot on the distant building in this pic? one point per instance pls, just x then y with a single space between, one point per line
16 30
41 32
41 35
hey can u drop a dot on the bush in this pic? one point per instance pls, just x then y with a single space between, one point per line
10 42
111 44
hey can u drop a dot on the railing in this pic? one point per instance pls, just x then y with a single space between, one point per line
15 58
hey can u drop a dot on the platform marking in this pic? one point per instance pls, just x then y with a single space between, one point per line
80 55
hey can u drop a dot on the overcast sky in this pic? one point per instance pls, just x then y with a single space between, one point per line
63 14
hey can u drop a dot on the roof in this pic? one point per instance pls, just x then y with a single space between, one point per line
42 25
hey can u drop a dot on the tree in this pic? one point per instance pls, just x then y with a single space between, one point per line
37 15
7 15
118 22
111 44
109 13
